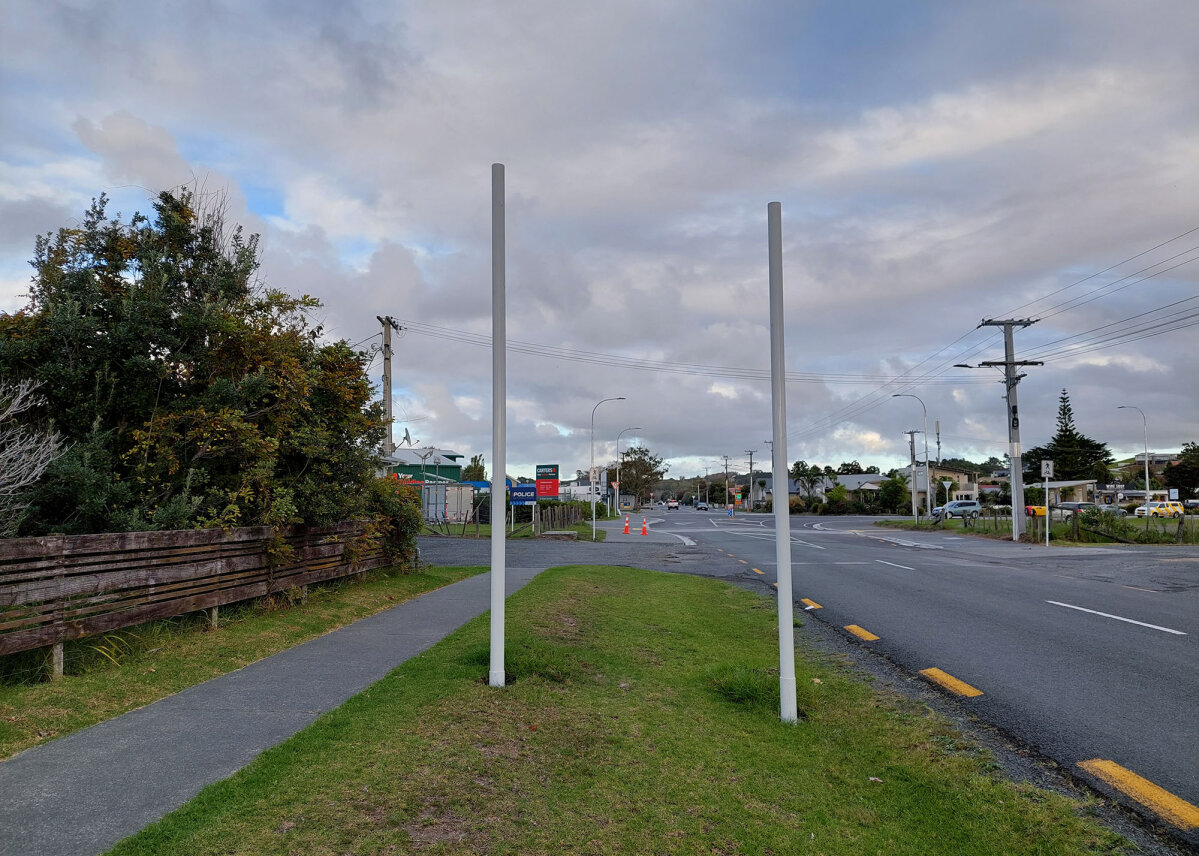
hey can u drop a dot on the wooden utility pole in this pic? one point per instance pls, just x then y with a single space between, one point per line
389 324
912 448
1010 379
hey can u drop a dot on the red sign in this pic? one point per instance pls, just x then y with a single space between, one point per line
547 481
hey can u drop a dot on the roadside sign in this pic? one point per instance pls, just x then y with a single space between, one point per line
547 481
1047 469
1173 493
523 494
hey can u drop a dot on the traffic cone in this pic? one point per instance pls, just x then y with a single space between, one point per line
644 527
626 524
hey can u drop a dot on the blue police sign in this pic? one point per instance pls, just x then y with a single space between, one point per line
523 494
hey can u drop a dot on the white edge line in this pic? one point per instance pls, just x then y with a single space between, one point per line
892 564
1117 617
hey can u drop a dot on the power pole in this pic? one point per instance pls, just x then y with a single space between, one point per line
389 324
912 449
1010 379
938 442
750 452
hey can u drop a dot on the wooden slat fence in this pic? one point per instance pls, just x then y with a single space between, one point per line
59 587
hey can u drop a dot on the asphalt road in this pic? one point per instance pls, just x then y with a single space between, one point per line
1084 654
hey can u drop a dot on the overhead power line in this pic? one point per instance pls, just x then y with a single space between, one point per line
641 364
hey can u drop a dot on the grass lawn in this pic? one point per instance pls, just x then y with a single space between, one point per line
108 675
640 716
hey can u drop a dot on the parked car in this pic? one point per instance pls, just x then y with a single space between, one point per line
1177 507
1063 510
1114 510
961 508
1159 509
701 506
1035 511
672 505
1190 503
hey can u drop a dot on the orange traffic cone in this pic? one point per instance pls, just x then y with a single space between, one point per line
626 524
644 527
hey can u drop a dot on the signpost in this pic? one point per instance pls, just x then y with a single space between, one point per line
1047 474
523 494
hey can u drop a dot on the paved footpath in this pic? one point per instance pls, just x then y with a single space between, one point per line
81 794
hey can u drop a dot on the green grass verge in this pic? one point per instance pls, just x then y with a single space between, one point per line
640 716
109 675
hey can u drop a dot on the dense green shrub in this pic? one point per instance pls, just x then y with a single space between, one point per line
190 395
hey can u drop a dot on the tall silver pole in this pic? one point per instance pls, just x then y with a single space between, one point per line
499 415
928 473
788 707
591 488
928 477
1146 424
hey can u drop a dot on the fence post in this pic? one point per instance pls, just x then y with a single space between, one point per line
213 617
55 658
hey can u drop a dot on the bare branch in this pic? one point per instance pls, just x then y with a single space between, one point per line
25 451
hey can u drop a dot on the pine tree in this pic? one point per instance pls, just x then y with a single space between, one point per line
1075 456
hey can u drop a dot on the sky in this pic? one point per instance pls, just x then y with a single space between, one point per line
936 163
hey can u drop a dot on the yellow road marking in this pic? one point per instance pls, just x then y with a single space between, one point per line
860 632
1174 809
950 683
742 561
755 570
811 604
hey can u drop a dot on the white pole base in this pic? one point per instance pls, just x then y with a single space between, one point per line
788 709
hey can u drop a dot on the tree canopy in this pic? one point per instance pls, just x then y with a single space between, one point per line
474 471
1184 474
640 472
1074 455
189 394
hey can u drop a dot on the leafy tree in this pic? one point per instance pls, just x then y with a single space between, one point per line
475 471
849 468
1074 455
808 476
640 472
1184 474
190 394
837 499
893 493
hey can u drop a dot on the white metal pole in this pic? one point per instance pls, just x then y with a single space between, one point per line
592 487
788 708
499 415
928 473
1145 421
1047 517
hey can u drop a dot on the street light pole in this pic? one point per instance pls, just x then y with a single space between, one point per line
750 452
638 428
591 472
1146 424
928 481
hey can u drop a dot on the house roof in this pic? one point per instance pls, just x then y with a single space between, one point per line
861 481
